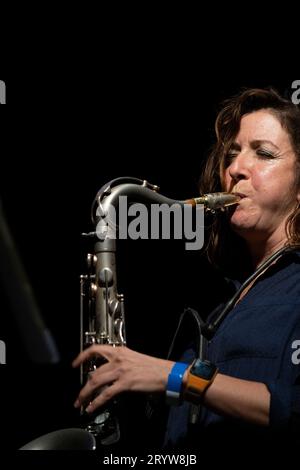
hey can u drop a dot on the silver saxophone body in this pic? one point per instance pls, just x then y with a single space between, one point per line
102 313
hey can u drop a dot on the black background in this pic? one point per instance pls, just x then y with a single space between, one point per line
65 134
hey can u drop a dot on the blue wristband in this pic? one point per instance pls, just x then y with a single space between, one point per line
174 384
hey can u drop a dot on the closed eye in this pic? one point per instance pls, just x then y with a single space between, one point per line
265 153
262 153
229 158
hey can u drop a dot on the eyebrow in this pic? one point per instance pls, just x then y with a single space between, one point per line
254 143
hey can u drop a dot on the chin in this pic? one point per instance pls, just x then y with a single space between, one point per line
240 224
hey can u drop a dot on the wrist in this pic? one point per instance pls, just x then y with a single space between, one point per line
198 378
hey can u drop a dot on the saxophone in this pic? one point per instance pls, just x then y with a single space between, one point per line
102 315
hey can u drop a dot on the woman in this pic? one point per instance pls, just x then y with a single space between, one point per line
252 379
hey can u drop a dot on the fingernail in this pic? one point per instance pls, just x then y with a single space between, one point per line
77 404
89 409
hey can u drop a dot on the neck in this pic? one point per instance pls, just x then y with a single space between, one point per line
260 252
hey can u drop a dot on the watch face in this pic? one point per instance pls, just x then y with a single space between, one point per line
203 369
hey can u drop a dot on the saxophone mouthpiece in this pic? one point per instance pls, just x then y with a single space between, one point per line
214 201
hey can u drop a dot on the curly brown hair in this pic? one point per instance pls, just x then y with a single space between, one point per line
221 239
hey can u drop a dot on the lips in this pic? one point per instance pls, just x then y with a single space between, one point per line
241 195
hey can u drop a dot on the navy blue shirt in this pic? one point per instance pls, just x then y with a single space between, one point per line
259 340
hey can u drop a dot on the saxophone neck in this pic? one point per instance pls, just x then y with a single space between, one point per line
143 191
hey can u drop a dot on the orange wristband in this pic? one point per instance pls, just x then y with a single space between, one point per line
200 377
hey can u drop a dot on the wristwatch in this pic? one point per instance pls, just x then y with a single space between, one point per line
200 376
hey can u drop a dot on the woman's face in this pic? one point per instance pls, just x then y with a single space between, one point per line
261 166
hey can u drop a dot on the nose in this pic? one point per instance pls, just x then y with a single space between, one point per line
239 168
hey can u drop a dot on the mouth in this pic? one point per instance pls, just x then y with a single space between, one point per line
241 195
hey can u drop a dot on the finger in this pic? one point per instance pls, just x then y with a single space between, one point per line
94 384
106 395
96 350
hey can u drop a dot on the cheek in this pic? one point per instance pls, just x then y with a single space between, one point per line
264 177
274 190
261 181
273 178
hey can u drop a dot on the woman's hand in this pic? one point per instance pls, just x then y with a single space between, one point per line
125 370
